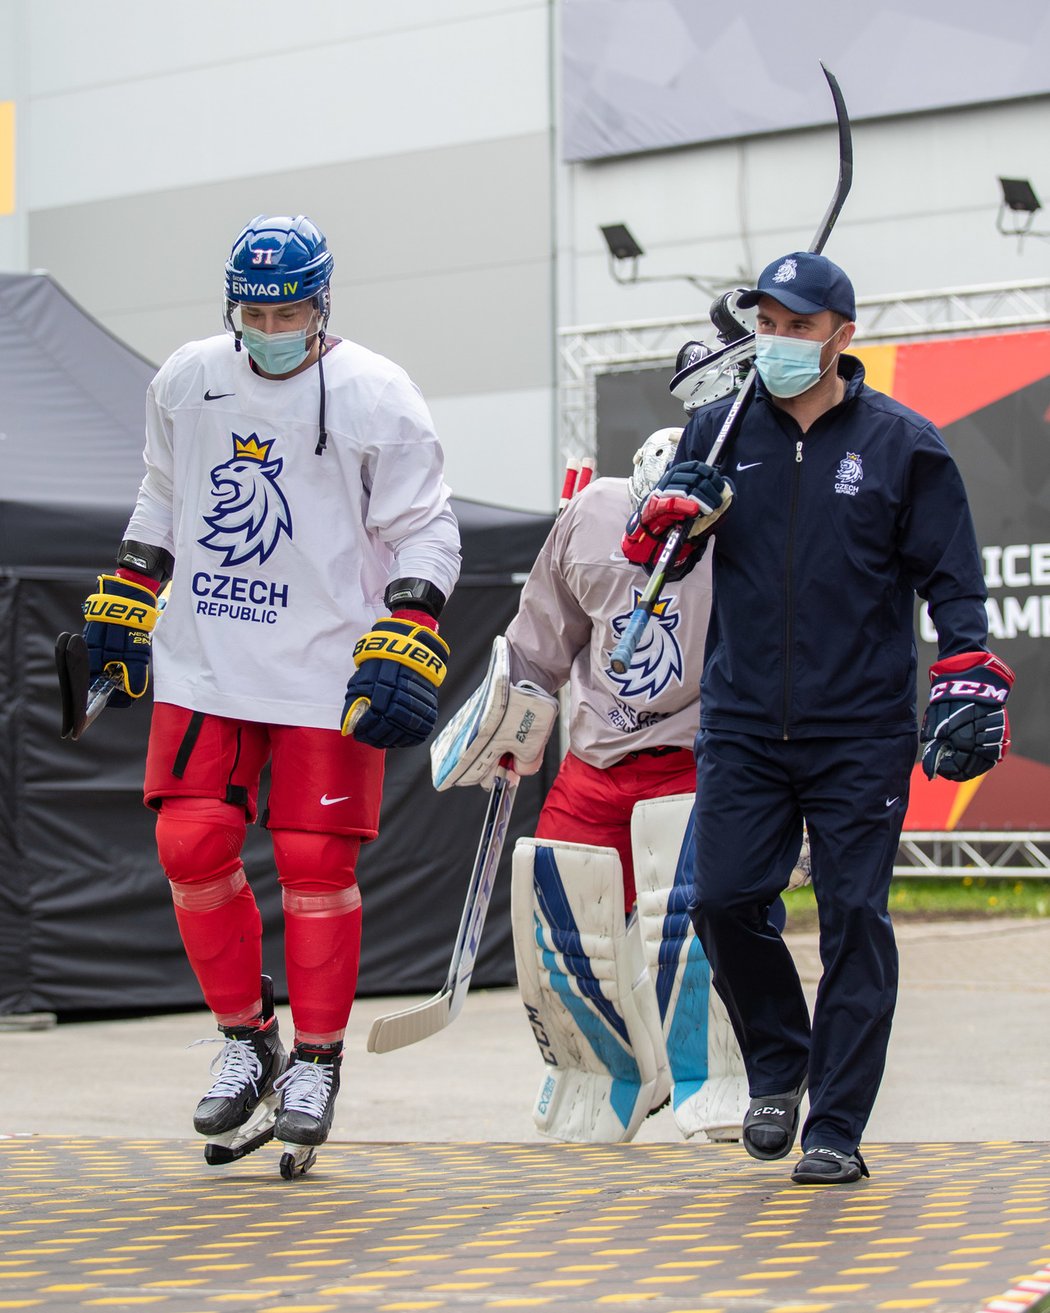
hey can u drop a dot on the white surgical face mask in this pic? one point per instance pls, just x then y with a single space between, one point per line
789 366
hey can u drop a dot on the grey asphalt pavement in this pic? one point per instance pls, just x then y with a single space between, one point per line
968 1059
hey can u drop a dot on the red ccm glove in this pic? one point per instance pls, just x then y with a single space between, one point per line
966 730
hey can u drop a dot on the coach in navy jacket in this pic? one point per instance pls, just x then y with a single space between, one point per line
837 506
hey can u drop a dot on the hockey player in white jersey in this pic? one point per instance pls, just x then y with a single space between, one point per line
294 494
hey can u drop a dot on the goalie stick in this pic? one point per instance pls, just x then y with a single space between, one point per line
623 653
410 1025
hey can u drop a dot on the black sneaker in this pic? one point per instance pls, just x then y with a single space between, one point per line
771 1123
823 1166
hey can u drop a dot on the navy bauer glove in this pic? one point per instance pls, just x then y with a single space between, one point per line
391 699
966 730
118 634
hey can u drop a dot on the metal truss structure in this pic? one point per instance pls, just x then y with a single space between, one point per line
1006 854
588 351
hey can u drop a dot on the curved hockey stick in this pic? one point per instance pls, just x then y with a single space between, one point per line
623 653
397 1029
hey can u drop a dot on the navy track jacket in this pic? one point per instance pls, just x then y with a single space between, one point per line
817 562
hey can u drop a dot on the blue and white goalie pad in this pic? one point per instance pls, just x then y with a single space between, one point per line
499 718
709 1094
587 993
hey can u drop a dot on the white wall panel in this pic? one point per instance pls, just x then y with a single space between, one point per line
487 330
922 212
416 89
109 41
498 447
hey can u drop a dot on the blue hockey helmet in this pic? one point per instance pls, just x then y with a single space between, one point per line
277 260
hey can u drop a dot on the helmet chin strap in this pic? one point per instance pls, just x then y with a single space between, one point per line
322 436
324 309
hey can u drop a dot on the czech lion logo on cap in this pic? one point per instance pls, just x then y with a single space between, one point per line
786 271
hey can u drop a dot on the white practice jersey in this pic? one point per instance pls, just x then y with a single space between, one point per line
574 607
282 556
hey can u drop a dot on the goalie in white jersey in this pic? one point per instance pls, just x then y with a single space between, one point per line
602 987
294 493
630 735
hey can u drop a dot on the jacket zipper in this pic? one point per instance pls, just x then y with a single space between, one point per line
789 559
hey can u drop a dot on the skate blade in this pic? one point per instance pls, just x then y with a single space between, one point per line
729 1134
258 1130
297 1160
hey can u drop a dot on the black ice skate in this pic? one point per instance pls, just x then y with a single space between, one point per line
307 1089
237 1114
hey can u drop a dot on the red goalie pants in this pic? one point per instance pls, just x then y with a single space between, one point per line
202 776
588 805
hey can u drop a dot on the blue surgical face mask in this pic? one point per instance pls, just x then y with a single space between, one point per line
789 366
277 353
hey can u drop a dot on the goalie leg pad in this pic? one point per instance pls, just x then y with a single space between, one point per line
498 718
710 1090
587 993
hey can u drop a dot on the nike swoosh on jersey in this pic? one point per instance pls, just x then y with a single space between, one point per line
327 802
748 467
217 396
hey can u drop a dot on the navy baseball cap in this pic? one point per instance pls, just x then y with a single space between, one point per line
806 283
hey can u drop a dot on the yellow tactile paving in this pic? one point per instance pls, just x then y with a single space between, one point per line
401 1227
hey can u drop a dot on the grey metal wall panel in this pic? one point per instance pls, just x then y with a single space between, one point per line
663 73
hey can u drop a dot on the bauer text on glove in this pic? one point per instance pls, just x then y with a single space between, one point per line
118 633
966 730
391 699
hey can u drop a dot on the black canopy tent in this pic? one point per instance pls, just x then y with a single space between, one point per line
86 924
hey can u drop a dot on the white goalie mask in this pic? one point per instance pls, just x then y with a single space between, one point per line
650 461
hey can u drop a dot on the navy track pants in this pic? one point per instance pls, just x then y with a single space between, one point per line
752 795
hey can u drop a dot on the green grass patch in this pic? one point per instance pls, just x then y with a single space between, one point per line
942 899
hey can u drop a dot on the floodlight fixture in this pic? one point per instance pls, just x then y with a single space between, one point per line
1018 194
1020 201
620 241
624 246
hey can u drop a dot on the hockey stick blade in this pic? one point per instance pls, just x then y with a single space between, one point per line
82 703
410 1025
398 1029
845 180
72 682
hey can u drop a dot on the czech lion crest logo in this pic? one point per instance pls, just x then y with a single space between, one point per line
250 512
657 659
849 473
787 271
